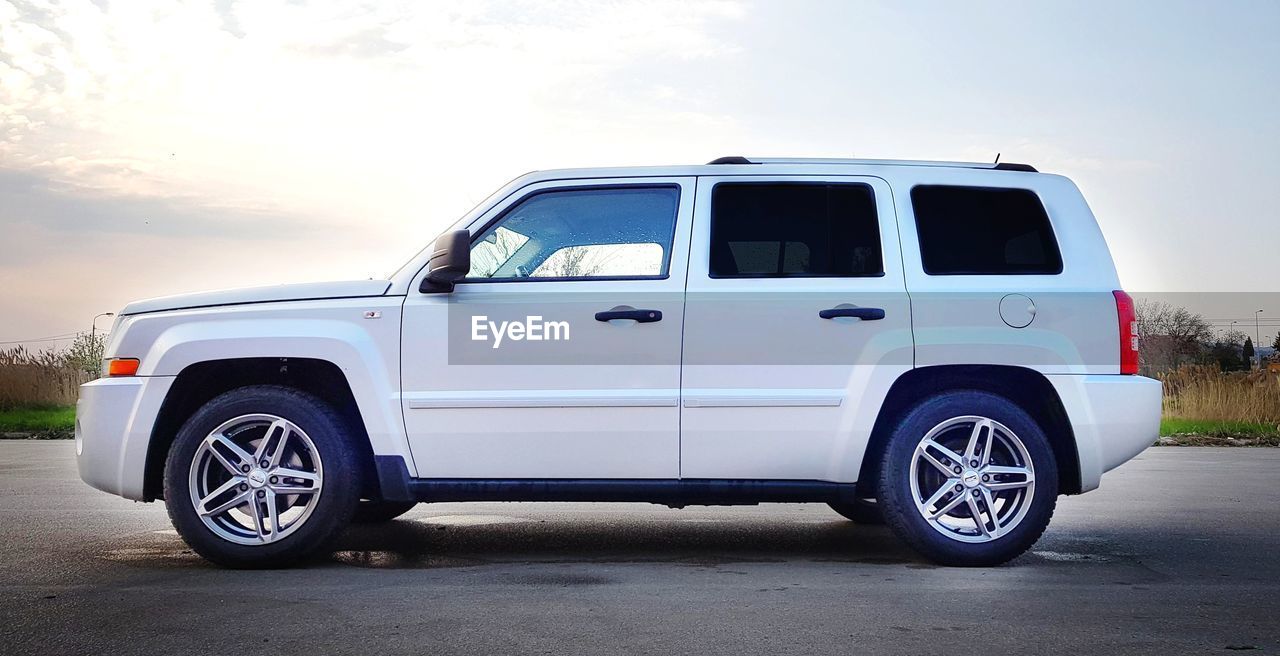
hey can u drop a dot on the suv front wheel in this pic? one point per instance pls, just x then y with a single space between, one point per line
968 478
261 476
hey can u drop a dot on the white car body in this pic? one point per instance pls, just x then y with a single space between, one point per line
444 429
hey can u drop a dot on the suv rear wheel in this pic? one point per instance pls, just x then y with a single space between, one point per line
968 478
261 476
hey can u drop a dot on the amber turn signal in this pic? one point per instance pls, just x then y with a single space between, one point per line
122 366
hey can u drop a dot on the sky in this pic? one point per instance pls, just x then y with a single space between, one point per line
152 149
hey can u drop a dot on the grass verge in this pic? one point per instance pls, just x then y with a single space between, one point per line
1214 428
47 423
1176 431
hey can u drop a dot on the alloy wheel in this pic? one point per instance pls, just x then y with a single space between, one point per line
255 479
972 479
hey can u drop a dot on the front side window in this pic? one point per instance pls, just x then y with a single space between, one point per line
797 229
984 231
619 232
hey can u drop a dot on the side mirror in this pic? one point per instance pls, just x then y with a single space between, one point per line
450 261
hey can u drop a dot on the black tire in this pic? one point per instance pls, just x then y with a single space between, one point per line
862 511
339 489
379 512
899 506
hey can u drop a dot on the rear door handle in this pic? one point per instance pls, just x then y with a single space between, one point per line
639 316
866 314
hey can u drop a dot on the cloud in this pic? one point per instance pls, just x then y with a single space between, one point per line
292 101
194 144
227 18
255 141
85 213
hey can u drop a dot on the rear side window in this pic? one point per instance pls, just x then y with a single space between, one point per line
983 231
773 230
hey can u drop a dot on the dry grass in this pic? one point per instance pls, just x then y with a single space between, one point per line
1203 393
43 379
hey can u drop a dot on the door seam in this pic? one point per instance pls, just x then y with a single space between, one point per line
684 318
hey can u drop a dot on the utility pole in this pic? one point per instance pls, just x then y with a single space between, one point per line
1231 329
92 331
1257 335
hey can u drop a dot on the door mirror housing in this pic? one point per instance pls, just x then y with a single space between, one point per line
450 261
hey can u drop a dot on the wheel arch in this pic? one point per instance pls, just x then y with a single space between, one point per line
1028 388
200 382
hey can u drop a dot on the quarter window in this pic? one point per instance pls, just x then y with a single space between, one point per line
774 230
983 231
619 232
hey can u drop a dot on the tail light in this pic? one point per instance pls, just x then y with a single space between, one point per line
1128 332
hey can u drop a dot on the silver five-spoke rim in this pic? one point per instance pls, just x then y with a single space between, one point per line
256 479
972 479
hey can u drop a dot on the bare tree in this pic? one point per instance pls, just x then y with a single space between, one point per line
1170 335
492 252
578 261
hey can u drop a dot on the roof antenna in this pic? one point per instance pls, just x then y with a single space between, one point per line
997 159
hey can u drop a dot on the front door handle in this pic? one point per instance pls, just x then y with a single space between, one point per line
866 314
639 316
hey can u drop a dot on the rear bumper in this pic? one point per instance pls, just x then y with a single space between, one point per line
114 417
1114 419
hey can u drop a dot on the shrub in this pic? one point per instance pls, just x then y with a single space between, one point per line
1203 392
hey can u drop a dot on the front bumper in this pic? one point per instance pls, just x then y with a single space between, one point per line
1114 418
114 417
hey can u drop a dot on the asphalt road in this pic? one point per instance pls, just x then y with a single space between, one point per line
1177 553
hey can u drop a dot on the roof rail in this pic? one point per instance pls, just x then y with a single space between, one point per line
1010 166
1002 166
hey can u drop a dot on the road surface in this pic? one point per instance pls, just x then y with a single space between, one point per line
1179 552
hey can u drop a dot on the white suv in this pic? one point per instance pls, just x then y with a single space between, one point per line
939 346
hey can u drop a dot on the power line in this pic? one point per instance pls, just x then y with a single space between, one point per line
51 338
